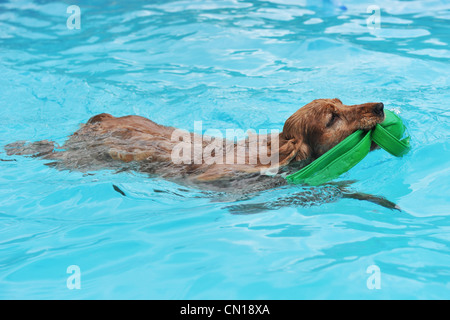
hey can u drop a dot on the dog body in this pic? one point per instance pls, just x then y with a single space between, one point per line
137 143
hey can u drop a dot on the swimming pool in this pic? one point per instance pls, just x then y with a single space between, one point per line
177 62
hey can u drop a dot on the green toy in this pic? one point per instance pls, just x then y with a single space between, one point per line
388 135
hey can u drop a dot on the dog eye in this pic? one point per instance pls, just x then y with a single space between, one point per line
333 119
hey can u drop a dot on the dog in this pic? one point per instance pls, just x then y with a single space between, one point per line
137 143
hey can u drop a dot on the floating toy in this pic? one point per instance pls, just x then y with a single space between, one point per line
344 156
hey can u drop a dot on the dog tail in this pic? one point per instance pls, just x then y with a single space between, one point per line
35 149
372 198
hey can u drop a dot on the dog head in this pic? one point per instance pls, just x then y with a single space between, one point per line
322 124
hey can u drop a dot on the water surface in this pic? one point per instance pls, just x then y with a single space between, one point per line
230 64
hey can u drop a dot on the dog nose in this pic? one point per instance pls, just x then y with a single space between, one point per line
378 109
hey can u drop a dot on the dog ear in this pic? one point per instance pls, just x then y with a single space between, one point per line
294 139
293 150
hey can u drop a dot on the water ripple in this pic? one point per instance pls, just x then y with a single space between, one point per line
232 64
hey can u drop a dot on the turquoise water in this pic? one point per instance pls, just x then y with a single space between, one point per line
231 64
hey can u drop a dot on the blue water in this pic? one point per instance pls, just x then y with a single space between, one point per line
231 64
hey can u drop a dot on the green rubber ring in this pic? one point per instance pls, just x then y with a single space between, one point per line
352 150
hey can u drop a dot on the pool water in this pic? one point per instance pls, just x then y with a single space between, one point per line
230 64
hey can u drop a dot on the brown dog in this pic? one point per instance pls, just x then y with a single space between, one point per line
137 143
